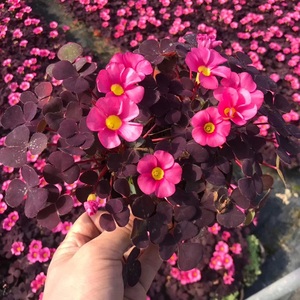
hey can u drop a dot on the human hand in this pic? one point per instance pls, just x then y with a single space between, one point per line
88 264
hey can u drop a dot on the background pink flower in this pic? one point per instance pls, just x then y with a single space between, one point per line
210 128
111 118
159 174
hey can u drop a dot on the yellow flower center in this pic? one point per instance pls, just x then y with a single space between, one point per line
209 127
204 70
229 112
117 89
113 122
91 197
158 173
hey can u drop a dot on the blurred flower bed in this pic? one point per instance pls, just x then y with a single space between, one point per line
26 248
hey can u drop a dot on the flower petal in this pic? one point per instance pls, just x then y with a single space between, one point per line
174 174
147 164
130 131
135 93
146 183
199 136
165 159
109 138
95 120
209 82
164 188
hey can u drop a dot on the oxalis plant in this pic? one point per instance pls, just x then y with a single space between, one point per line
167 134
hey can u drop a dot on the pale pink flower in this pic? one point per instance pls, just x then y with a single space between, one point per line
6 62
135 61
111 117
209 127
120 82
17 248
159 174
24 86
206 62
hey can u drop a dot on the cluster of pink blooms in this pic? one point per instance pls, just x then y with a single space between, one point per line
10 221
184 277
222 256
38 253
135 17
238 98
38 282
20 75
112 115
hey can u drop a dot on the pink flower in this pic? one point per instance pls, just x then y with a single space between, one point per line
117 81
175 273
66 226
228 279
135 61
38 30
17 248
227 261
111 118
222 247
236 106
206 62
35 245
38 282
8 78
210 128
216 261
245 86
33 256
44 254
3 207
207 40
236 248
226 235
159 174
194 275
214 229
93 203
172 260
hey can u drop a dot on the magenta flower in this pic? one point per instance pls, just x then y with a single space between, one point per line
159 174
236 106
222 247
236 248
118 81
206 62
210 128
111 118
44 254
245 87
17 248
135 61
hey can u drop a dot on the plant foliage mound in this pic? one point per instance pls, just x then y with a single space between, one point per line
166 133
